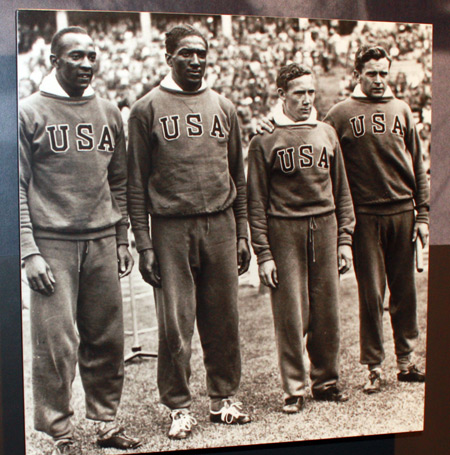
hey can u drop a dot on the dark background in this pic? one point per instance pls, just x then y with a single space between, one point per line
435 439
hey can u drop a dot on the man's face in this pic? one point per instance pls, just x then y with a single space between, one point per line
75 63
373 77
299 97
188 62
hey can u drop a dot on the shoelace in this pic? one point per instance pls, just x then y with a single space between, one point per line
230 411
184 420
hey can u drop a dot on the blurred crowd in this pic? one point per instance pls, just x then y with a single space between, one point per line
243 66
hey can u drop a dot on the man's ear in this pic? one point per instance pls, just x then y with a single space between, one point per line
169 59
356 76
281 93
54 61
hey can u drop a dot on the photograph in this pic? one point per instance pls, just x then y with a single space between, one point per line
223 229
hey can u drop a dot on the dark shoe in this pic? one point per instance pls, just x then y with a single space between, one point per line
413 374
373 385
66 447
182 423
117 439
293 405
330 394
229 414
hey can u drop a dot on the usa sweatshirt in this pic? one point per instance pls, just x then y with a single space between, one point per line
382 154
296 172
72 167
185 158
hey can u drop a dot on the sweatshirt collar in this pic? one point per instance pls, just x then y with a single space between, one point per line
169 83
51 86
281 119
358 93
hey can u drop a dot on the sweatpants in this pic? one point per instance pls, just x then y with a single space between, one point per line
382 249
80 322
198 264
305 302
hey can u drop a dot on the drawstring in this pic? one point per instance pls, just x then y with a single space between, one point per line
207 225
86 252
379 231
312 228
78 256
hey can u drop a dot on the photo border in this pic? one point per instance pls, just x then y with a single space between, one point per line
435 434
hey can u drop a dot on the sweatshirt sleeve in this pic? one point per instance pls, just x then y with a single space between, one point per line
138 174
342 198
117 178
236 166
258 201
422 192
28 244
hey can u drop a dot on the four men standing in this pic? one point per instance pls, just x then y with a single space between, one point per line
185 170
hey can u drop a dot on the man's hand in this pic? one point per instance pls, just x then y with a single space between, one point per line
243 256
268 274
344 258
265 124
39 275
125 260
420 230
149 268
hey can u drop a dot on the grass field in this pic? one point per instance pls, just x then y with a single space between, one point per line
398 409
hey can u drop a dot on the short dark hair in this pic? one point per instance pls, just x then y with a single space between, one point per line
177 33
366 53
289 72
56 40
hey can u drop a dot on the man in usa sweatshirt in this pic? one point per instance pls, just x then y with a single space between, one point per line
301 221
186 170
390 191
73 214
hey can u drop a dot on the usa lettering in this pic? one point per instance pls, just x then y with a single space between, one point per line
378 124
84 140
193 124
302 158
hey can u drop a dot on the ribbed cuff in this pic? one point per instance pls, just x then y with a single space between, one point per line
28 245
143 240
122 234
241 228
345 240
423 216
264 256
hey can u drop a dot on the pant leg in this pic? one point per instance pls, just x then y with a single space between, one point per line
217 312
369 263
401 281
176 248
323 329
288 240
55 340
100 324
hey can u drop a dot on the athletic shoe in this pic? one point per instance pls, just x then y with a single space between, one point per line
229 414
117 439
413 374
65 447
373 385
332 393
182 423
293 405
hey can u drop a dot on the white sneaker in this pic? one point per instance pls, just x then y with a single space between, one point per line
374 384
182 423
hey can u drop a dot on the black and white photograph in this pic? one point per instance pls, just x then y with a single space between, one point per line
224 229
